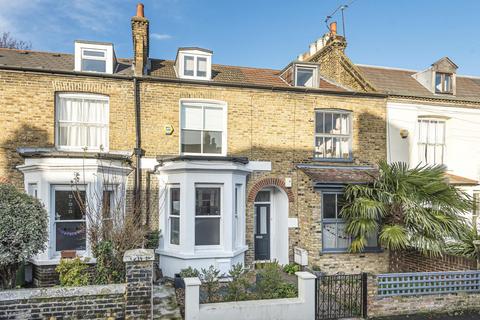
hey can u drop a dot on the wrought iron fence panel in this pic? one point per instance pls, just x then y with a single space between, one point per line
425 283
340 296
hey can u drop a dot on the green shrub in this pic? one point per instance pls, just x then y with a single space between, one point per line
73 272
210 280
270 284
291 268
107 269
189 273
23 231
151 240
238 287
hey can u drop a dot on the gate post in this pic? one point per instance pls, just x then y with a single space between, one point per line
364 295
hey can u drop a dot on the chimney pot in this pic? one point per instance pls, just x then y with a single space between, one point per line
333 28
140 12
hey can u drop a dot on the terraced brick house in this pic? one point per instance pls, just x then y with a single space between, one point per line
231 164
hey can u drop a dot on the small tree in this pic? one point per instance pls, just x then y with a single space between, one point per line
23 231
7 41
408 207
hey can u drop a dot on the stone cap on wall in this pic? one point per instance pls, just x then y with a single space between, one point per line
139 255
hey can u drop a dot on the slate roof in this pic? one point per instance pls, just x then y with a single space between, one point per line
163 69
401 83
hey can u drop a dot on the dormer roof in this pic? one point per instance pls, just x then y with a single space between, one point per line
445 64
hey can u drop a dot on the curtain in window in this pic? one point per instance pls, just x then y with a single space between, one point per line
82 122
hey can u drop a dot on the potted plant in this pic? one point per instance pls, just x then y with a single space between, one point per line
184 273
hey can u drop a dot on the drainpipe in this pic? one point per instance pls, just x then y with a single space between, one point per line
138 146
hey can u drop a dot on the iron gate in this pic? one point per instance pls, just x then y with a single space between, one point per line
341 296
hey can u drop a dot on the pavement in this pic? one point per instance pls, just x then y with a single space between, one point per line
458 315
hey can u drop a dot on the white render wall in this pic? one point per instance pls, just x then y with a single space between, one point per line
300 308
462 134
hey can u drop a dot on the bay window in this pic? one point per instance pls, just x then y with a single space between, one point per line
69 223
333 135
207 215
431 141
82 122
203 128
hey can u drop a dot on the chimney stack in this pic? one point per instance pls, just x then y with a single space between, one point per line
140 35
333 28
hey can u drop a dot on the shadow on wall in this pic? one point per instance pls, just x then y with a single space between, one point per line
25 136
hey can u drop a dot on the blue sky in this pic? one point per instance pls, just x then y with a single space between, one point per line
263 33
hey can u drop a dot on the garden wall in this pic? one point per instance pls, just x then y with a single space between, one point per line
133 300
300 308
89 302
414 261
385 306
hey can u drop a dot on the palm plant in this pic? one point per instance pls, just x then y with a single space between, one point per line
408 207
465 245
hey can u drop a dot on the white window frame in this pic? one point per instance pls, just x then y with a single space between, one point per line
195 56
443 145
329 135
315 79
81 46
203 104
220 217
53 220
85 96
237 225
169 215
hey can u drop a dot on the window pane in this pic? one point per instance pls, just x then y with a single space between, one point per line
213 119
345 124
207 201
329 235
263 220
440 132
192 117
94 53
304 77
319 147
191 141
107 202
328 123
263 196
345 148
343 240
207 231
328 148
175 201
319 122
329 206
212 142
432 125
189 66
438 82
70 236
372 241
336 147
68 205
337 123
201 67
94 65
448 83
174 230
423 131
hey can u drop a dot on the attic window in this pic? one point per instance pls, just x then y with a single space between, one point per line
94 57
443 82
194 63
306 76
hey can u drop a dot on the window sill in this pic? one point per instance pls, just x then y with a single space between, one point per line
350 160
369 250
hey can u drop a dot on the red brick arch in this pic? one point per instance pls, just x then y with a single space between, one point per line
268 182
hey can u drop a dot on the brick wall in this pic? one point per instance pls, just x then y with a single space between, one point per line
415 304
413 261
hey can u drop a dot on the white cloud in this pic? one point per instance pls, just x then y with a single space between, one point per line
160 36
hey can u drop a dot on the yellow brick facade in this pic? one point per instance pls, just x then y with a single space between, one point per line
263 125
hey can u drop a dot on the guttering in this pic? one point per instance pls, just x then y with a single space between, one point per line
138 144
201 83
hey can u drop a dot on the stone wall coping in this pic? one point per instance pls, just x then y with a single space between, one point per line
61 292
139 255
192 281
305 275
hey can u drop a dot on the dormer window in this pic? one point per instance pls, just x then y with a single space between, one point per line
306 76
194 63
94 57
443 82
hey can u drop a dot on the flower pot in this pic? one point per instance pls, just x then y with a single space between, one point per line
178 282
